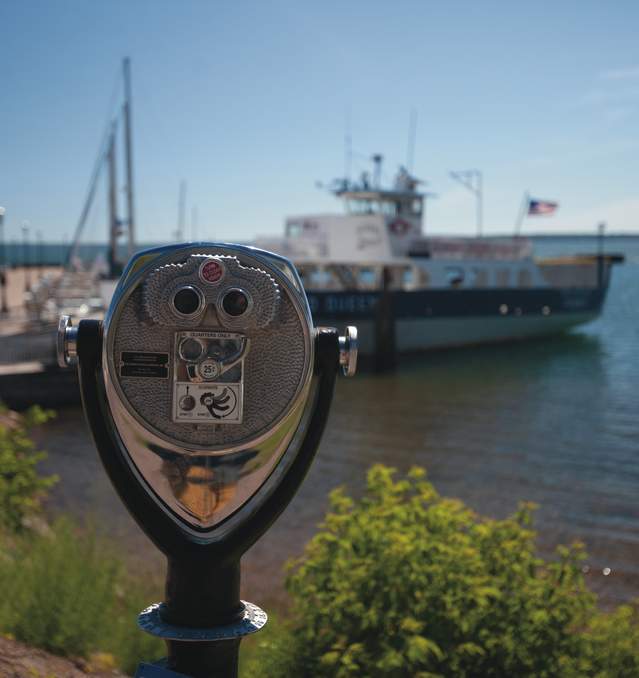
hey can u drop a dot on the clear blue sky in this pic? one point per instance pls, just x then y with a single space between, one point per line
247 102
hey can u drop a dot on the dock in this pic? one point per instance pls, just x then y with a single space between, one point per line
29 373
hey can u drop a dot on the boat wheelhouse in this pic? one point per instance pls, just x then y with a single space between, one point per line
376 260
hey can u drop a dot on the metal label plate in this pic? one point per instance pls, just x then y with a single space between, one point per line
144 364
208 377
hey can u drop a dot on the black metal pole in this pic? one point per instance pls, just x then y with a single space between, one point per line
203 595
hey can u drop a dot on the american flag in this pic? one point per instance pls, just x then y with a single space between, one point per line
541 207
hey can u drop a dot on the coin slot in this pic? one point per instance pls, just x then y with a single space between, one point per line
191 349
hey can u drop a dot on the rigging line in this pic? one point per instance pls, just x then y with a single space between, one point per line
361 156
73 248
95 175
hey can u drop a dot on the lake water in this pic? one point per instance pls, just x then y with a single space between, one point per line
551 421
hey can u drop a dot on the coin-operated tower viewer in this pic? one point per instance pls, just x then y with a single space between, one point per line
206 389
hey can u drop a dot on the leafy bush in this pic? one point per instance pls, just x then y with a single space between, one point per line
611 647
69 594
21 488
407 583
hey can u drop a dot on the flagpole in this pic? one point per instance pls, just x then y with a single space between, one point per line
522 213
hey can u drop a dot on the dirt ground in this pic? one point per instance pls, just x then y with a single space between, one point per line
21 661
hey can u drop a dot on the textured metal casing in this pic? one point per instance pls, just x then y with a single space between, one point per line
204 474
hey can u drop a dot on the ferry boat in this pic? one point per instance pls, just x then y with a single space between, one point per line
375 267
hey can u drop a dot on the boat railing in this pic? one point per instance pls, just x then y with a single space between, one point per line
471 248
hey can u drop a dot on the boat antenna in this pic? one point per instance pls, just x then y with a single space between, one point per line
126 69
412 133
377 175
348 146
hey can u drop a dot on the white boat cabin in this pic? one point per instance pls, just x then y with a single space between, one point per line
382 230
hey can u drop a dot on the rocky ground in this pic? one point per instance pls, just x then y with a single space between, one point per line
21 661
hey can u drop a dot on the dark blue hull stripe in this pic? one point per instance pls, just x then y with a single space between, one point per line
459 302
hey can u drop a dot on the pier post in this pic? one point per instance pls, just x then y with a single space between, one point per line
601 229
25 256
385 344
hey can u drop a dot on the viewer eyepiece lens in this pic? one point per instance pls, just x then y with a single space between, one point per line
235 303
187 301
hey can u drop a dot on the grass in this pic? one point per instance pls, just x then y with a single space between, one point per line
264 649
71 595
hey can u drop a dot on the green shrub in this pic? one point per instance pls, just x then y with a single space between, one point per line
611 646
69 594
407 583
21 488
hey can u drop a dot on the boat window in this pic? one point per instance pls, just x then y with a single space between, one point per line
363 206
480 277
417 207
455 276
524 278
319 278
367 277
408 278
389 208
294 229
423 279
503 277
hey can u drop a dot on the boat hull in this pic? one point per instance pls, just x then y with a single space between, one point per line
424 334
433 319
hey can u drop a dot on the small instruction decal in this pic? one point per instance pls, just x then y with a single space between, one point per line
208 403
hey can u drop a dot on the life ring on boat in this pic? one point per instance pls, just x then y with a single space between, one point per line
400 226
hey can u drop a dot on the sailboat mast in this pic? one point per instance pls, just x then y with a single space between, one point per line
114 225
129 154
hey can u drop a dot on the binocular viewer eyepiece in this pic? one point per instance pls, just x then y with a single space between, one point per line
206 389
